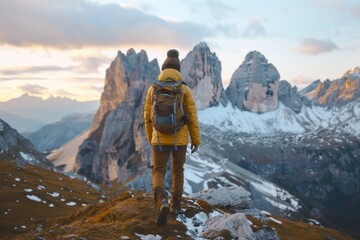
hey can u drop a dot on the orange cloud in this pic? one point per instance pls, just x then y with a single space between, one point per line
313 46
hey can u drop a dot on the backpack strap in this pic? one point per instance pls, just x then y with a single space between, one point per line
154 98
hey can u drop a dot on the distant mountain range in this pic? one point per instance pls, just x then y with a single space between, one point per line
56 134
338 92
42 111
23 125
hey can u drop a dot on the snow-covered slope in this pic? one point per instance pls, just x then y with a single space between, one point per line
283 120
205 170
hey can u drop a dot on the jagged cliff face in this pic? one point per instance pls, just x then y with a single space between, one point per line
201 70
335 93
254 85
117 147
116 85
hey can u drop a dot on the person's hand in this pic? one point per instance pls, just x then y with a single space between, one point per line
194 148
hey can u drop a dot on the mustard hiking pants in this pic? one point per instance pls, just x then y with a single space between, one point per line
160 159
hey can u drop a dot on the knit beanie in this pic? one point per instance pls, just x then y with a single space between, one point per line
172 60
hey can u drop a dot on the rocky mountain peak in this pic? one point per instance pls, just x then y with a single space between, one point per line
124 71
117 136
254 85
290 96
335 93
352 73
130 52
255 56
202 46
201 70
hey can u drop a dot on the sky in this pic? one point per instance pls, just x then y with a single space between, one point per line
63 47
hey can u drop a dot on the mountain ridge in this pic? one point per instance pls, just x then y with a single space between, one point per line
335 93
49 110
54 135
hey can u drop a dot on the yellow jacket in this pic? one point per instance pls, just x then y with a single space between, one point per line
182 137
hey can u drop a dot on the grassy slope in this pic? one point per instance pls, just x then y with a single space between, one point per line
124 215
289 230
17 210
132 213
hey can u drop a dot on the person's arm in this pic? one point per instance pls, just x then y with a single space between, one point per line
191 113
147 115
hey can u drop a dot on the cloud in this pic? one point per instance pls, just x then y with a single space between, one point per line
33 89
254 29
313 46
329 3
96 88
34 69
90 60
341 5
64 93
229 30
218 9
21 78
80 23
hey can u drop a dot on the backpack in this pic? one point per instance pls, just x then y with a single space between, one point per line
167 107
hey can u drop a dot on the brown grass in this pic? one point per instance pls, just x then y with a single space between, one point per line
290 230
25 212
124 214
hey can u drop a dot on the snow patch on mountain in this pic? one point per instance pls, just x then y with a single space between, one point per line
233 119
196 172
27 157
283 120
353 73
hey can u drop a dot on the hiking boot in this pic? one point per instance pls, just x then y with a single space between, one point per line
161 206
175 204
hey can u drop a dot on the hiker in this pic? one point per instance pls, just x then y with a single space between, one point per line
170 116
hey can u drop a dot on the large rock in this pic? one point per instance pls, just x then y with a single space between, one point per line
235 197
254 85
237 224
117 146
201 70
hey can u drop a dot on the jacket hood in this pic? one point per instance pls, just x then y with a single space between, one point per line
169 73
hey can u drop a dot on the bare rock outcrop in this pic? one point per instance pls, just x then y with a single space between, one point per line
117 147
254 85
234 197
237 224
201 70
335 93
290 97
